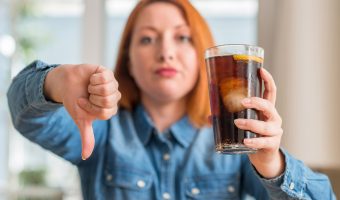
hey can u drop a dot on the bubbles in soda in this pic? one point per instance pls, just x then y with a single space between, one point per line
231 79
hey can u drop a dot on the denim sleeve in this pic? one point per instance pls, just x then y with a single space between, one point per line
298 182
41 121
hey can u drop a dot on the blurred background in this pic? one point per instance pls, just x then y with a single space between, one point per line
300 38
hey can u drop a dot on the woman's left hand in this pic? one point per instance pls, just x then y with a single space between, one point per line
268 160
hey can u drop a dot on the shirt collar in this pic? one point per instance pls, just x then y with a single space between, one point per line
183 131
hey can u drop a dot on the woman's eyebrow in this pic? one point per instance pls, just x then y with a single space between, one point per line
147 28
181 26
152 28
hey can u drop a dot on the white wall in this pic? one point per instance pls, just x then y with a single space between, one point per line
302 44
94 21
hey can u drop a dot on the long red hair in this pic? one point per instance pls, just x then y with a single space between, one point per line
198 108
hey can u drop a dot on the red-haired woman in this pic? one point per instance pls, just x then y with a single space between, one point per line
156 143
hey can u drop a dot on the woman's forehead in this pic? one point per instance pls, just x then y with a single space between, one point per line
160 14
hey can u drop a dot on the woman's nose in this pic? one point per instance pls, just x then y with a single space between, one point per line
166 51
165 57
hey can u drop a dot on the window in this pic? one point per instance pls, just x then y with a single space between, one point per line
47 29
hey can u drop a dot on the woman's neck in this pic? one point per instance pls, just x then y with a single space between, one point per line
164 115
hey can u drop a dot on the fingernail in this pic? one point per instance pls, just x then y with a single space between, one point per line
83 157
246 101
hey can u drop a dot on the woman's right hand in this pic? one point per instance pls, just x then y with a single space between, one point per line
88 92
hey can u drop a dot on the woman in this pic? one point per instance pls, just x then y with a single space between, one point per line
157 144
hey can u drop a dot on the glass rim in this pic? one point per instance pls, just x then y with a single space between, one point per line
258 49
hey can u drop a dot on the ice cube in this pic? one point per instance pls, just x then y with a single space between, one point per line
233 90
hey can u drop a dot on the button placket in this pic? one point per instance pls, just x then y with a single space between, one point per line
165 167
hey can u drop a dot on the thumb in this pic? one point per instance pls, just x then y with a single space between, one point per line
87 137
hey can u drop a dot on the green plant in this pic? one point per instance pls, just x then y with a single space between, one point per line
32 177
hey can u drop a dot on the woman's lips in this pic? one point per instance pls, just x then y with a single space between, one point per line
166 72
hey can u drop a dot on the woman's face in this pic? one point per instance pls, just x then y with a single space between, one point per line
163 61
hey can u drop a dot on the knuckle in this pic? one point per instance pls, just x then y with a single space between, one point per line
265 128
97 78
115 82
106 102
268 105
254 99
115 110
102 78
103 115
114 85
118 95
107 77
104 90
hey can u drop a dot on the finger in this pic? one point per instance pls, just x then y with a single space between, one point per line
263 105
259 127
262 142
104 101
269 86
102 89
101 76
87 137
98 112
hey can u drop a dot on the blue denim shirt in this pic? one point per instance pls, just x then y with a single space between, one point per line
131 160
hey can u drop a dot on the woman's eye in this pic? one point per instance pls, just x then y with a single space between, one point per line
145 40
185 38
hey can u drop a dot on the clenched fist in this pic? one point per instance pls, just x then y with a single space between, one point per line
88 92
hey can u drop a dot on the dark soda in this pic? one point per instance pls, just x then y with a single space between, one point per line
231 79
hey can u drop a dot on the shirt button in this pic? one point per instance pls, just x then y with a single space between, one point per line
141 184
291 186
109 177
166 196
195 191
166 156
231 189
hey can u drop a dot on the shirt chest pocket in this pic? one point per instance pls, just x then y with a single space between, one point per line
216 186
128 183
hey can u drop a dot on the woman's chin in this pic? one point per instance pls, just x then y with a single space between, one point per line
165 97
